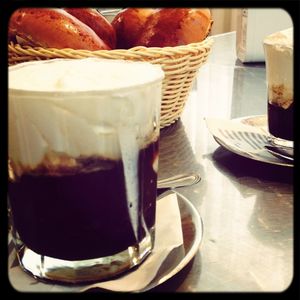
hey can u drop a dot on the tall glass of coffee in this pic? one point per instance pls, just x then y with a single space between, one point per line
83 158
278 49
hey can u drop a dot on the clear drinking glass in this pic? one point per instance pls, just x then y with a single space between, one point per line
83 155
279 60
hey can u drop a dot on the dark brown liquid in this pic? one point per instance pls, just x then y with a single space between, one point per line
84 215
280 121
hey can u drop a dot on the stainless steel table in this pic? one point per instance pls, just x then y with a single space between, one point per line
246 206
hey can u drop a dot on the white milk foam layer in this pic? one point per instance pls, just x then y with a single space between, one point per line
75 107
82 108
279 63
74 75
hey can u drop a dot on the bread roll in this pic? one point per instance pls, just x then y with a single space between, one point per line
52 27
161 27
175 26
93 18
128 25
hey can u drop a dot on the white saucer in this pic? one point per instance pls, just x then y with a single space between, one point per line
245 136
192 231
178 258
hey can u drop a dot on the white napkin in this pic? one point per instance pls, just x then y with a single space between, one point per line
167 237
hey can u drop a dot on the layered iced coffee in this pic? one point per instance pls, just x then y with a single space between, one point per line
83 154
279 68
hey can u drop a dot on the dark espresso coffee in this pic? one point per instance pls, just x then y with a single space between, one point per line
84 214
280 121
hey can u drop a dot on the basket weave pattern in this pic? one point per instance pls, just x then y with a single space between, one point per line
180 65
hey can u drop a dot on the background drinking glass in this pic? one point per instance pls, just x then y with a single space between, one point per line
278 49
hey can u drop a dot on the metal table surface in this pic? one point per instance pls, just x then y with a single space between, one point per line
246 206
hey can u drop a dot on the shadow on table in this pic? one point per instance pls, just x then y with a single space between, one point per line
271 220
238 167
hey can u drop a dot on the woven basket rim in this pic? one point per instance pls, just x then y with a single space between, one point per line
164 50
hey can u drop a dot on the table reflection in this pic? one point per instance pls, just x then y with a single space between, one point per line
176 155
246 205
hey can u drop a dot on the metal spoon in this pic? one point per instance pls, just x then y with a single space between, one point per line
281 152
180 180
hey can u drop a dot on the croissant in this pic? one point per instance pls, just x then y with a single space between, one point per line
52 27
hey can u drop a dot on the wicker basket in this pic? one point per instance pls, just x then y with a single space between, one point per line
180 65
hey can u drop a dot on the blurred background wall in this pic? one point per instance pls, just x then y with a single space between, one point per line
225 20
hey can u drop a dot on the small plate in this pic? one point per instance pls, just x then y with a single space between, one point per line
192 231
177 259
245 136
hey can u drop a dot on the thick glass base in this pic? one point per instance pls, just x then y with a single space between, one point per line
53 269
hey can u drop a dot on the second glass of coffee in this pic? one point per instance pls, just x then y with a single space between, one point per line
278 49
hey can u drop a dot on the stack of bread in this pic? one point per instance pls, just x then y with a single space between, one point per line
86 28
